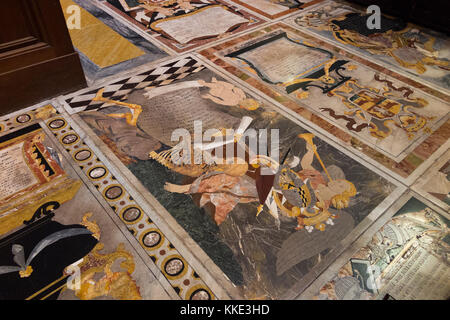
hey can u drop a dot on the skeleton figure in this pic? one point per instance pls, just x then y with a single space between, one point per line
220 92
303 195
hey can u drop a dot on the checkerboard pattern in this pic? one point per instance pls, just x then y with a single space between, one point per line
118 90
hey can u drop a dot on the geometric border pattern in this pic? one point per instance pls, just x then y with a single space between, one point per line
182 277
162 75
22 118
279 14
179 48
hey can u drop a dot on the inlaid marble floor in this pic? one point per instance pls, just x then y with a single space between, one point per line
105 45
337 187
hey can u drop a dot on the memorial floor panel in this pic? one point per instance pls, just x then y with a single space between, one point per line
275 9
58 239
283 151
185 25
389 118
406 259
420 53
242 233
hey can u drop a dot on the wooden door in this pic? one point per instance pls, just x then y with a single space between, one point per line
37 59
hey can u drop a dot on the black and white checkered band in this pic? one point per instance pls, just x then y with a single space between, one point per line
161 75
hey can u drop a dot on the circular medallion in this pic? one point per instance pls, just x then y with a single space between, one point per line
131 214
200 294
174 267
113 192
70 138
23 118
57 123
97 172
151 239
83 155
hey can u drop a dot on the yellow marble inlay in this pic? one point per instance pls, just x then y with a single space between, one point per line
102 45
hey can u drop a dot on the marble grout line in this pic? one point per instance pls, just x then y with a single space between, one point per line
241 7
92 4
113 79
378 213
11 117
397 158
375 211
200 282
407 181
101 4
198 56
438 162
362 241
24 110
131 71
381 214
312 7
398 192
429 202
291 115
57 108
427 163
126 24
348 50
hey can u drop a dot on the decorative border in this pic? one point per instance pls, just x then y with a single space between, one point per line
151 51
126 6
276 37
162 75
35 157
185 280
26 117
404 168
311 291
174 45
292 85
390 65
425 178
280 14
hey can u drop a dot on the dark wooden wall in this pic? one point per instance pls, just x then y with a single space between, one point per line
37 59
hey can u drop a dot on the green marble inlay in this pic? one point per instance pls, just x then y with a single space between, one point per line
193 219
